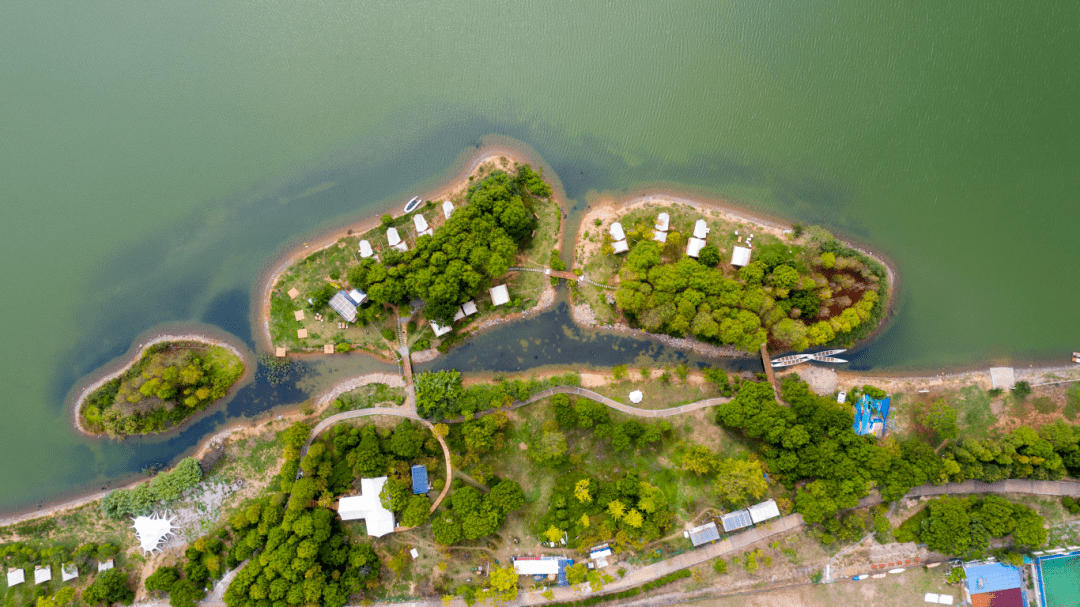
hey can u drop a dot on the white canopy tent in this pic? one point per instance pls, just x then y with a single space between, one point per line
69 572
740 256
662 222
422 226
617 232
636 396
447 208
152 530
365 249
500 295
701 230
15 577
694 247
42 574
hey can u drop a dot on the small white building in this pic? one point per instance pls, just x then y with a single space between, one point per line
15 577
394 240
42 574
447 208
617 233
366 250
636 396
103 567
438 329
701 230
69 572
368 506
740 256
469 308
662 222
500 295
694 247
763 511
620 246
422 227
659 236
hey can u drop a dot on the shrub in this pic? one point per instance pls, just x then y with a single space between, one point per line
1021 390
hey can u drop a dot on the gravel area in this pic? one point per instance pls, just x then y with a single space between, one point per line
198 510
390 379
822 381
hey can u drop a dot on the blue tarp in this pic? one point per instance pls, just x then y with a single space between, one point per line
419 480
870 412
563 564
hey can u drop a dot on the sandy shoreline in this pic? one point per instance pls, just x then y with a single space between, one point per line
193 337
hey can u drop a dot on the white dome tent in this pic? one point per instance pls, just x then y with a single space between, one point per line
152 530
636 396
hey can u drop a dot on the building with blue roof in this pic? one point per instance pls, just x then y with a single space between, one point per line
994 585
871 415
420 480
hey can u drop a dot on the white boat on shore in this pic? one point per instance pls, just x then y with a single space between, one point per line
412 204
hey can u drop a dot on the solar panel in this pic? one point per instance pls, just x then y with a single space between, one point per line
736 520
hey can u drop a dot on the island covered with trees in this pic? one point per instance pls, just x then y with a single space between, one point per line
502 217
167 384
798 288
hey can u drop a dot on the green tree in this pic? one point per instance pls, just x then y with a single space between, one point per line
582 491
394 495
550 449
109 587
698 459
709 256
947 529
465 500
504 581
185 593
416 512
941 418
161 580
739 480
507 497
446 528
1021 390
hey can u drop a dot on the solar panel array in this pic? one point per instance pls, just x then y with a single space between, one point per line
736 520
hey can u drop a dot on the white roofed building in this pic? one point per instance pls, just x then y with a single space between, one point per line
617 232
500 295
439 330
103 567
659 236
394 239
469 308
368 506
620 246
447 208
15 577
740 256
694 247
357 296
152 530
763 511
422 227
366 250
663 221
537 565
42 574
701 230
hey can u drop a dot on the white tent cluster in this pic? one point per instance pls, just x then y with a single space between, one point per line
152 530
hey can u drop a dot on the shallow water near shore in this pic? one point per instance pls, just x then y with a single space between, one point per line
159 157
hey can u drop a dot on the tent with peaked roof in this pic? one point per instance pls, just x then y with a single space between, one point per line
15 577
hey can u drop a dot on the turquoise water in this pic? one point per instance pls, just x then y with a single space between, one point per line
156 158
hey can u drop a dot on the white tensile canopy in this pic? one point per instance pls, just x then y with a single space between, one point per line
740 256
694 247
102 567
447 208
439 330
469 308
365 249
701 230
500 295
662 222
69 572
42 574
152 530
617 232
636 396
15 577
392 236
659 236
421 224
620 246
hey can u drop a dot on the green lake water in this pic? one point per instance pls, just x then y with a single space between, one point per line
157 156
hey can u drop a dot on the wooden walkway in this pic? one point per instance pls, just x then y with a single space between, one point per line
561 274
767 363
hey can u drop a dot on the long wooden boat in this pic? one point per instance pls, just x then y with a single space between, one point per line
828 359
787 361
825 353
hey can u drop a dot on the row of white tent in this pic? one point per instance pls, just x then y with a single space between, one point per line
393 238
68 572
740 255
